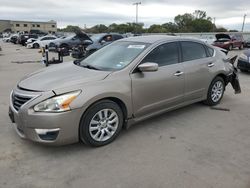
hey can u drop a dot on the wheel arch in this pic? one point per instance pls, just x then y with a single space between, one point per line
116 100
36 43
64 44
223 76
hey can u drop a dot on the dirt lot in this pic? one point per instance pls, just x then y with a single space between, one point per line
193 147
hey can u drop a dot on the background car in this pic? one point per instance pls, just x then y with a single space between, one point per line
22 39
6 39
229 42
13 39
30 40
100 40
244 61
247 43
41 42
69 42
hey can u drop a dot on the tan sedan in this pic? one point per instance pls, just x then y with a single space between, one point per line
125 82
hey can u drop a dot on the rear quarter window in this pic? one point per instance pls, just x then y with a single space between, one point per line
210 52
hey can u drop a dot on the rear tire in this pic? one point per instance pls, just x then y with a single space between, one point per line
101 123
215 91
65 46
241 47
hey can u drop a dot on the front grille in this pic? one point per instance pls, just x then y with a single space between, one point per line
19 100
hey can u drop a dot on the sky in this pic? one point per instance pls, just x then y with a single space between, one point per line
227 13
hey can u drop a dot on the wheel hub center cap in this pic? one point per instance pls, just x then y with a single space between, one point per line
104 123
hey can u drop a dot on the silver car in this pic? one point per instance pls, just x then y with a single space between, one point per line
125 82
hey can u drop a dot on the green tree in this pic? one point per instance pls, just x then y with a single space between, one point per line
202 25
184 22
220 29
170 27
196 22
199 14
156 29
99 29
69 28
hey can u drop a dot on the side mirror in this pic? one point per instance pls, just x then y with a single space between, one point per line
87 42
102 42
148 67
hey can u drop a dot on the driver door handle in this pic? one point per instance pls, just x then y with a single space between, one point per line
210 64
178 73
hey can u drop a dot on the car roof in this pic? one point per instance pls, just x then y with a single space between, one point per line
158 38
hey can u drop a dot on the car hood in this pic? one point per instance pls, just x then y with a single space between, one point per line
222 35
60 76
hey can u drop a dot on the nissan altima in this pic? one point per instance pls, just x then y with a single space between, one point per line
125 82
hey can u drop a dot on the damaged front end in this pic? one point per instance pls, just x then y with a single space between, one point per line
233 78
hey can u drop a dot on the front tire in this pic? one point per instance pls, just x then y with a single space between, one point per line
230 47
36 45
215 91
101 123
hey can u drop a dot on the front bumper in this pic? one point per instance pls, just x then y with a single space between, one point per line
47 128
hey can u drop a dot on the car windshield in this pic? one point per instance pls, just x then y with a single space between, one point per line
96 37
115 56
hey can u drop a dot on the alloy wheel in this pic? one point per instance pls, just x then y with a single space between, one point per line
217 91
103 125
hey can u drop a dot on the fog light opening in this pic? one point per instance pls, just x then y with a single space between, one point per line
47 134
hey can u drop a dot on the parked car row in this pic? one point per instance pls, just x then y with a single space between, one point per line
80 44
20 38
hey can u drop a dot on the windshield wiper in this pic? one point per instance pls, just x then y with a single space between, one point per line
90 67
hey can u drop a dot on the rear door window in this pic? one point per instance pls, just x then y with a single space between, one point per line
165 54
117 37
192 51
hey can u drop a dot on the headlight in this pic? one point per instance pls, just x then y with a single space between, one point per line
226 42
59 103
243 56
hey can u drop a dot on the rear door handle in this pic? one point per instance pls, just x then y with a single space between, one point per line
178 73
210 64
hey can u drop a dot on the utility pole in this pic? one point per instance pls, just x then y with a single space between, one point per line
214 24
243 24
136 4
